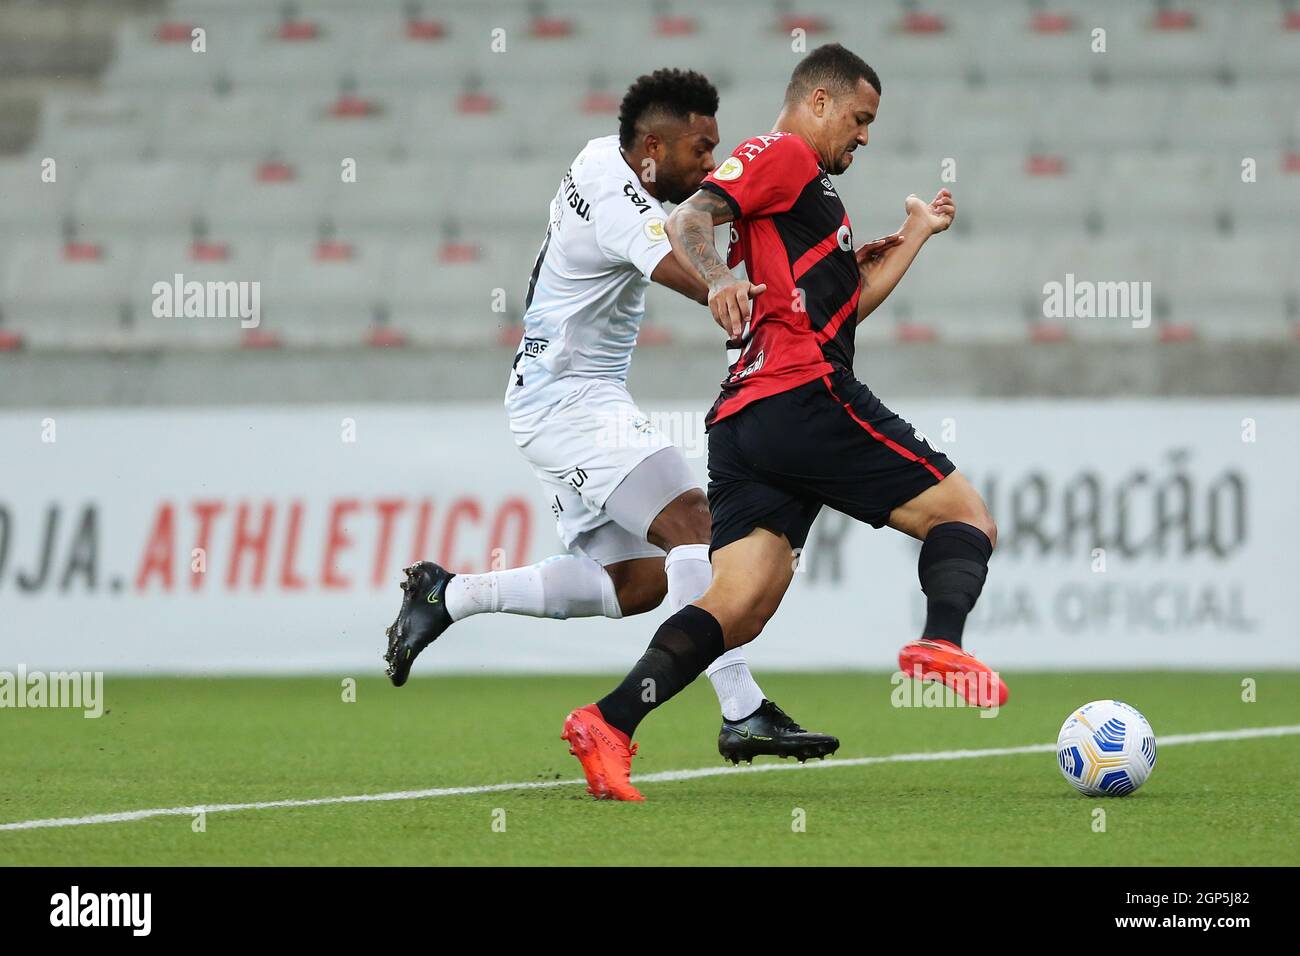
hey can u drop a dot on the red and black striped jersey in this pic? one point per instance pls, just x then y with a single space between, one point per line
792 233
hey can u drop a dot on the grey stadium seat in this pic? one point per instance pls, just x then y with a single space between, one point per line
60 303
29 205
160 261
1229 288
141 198
76 127
456 304
308 300
1109 259
968 290
1150 192
240 125
237 200
997 193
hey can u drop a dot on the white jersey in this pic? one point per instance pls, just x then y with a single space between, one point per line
586 298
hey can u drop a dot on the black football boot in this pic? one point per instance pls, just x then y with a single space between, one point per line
771 731
421 620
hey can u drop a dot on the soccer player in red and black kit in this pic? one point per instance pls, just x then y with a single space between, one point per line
793 429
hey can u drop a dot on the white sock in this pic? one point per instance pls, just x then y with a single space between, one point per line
689 574
567 585
738 692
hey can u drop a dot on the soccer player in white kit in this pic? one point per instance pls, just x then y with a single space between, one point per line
634 521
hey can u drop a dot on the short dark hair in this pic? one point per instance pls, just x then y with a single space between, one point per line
830 67
677 93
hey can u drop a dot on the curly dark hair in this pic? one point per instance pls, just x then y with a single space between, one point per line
677 93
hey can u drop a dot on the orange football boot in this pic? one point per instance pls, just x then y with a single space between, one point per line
935 659
605 753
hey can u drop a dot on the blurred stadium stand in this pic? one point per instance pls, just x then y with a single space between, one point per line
1116 166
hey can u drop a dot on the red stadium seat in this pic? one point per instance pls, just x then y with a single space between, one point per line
912 332
1173 332
171 31
675 26
422 28
1047 333
258 339
545 27
385 337
298 30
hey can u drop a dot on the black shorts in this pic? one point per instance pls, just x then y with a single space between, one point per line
774 463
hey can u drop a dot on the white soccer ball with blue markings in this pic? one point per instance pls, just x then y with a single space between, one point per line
1106 749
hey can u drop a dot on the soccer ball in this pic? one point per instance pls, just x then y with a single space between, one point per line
1106 749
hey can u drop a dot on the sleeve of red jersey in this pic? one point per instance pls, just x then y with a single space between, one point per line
764 175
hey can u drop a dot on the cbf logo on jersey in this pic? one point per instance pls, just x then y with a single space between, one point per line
730 169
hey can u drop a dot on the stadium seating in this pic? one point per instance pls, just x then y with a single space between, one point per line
1120 164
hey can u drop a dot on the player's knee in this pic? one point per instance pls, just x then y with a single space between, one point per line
746 626
990 528
971 510
743 619
979 517
684 521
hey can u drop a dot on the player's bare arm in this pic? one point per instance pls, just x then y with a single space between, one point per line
673 275
690 231
883 262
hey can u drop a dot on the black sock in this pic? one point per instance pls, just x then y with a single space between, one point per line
954 562
684 645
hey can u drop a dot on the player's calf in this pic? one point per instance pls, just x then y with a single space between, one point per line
958 537
640 584
750 577
683 646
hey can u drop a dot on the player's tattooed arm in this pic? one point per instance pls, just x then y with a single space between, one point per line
690 231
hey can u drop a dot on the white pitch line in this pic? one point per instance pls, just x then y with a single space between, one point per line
665 776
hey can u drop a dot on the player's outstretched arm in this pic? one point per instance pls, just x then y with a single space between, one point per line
882 263
671 273
690 231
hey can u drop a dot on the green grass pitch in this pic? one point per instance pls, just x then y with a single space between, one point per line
189 742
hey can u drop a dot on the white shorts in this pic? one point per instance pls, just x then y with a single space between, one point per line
581 449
